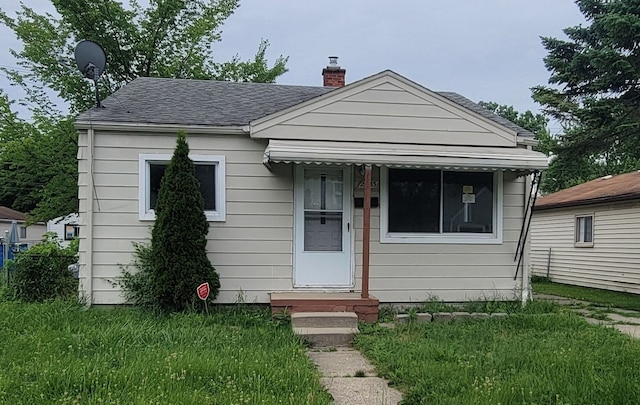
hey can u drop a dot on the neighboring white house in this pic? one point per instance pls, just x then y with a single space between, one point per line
65 227
282 171
589 235
29 234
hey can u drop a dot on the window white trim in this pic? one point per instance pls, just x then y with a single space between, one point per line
577 234
441 238
145 159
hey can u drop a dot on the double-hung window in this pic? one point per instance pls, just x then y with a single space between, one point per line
439 206
210 172
584 231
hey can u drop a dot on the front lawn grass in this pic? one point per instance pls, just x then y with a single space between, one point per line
554 358
596 296
60 353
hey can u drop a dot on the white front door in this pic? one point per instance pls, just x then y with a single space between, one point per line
323 227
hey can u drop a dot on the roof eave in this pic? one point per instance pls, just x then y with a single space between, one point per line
164 128
591 201
527 140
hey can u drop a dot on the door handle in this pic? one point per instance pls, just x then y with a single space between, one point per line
348 227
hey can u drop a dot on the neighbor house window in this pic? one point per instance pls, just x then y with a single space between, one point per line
584 230
23 232
439 206
210 172
71 231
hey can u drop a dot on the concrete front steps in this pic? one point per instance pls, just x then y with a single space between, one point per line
325 329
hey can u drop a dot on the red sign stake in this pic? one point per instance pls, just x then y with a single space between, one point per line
203 294
203 291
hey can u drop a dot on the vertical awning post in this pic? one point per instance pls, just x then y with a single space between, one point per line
366 231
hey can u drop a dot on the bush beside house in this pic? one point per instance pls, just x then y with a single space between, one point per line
172 267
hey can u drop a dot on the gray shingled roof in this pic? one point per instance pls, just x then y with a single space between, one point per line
465 102
198 102
216 103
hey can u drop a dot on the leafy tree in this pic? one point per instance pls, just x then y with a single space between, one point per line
38 168
176 262
169 38
595 92
536 123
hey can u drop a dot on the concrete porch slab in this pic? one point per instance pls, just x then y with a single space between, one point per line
312 301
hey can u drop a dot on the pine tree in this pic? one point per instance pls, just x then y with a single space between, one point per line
179 260
594 93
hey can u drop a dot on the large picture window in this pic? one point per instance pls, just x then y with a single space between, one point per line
210 172
423 206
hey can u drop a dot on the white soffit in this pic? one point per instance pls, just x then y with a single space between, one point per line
404 155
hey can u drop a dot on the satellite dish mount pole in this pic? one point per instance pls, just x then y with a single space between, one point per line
96 75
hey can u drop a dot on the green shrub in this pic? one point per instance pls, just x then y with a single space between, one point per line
137 285
41 273
172 267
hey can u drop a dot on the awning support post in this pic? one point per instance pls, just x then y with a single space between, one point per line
366 231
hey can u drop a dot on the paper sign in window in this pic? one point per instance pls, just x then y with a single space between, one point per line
469 198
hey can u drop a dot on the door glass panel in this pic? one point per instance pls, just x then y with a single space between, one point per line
323 189
322 231
323 205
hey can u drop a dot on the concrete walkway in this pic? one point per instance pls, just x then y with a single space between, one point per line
624 320
351 379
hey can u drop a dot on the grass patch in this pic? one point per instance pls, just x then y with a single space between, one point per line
60 353
521 359
593 295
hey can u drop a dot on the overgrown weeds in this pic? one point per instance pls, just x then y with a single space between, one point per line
59 353
42 272
528 358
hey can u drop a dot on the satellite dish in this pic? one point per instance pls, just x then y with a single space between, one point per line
91 61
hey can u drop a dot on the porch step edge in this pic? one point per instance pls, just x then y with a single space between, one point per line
327 337
324 320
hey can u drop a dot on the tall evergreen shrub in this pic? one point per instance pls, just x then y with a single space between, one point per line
177 260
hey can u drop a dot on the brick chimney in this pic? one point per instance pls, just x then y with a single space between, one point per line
332 75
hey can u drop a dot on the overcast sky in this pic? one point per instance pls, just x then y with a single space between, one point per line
483 49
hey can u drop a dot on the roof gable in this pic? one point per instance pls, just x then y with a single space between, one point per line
386 108
605 189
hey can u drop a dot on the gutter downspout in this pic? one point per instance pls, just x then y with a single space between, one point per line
526 285
88 284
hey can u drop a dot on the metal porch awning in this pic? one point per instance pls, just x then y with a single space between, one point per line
405 155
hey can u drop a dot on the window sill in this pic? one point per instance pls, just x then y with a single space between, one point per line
211 216
583 244
467 239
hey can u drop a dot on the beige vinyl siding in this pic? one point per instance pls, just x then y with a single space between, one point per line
382 111
251 250
612 263
451 272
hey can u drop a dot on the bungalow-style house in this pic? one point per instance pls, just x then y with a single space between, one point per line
285 171
589 234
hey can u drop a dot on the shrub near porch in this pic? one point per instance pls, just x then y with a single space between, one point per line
60 353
